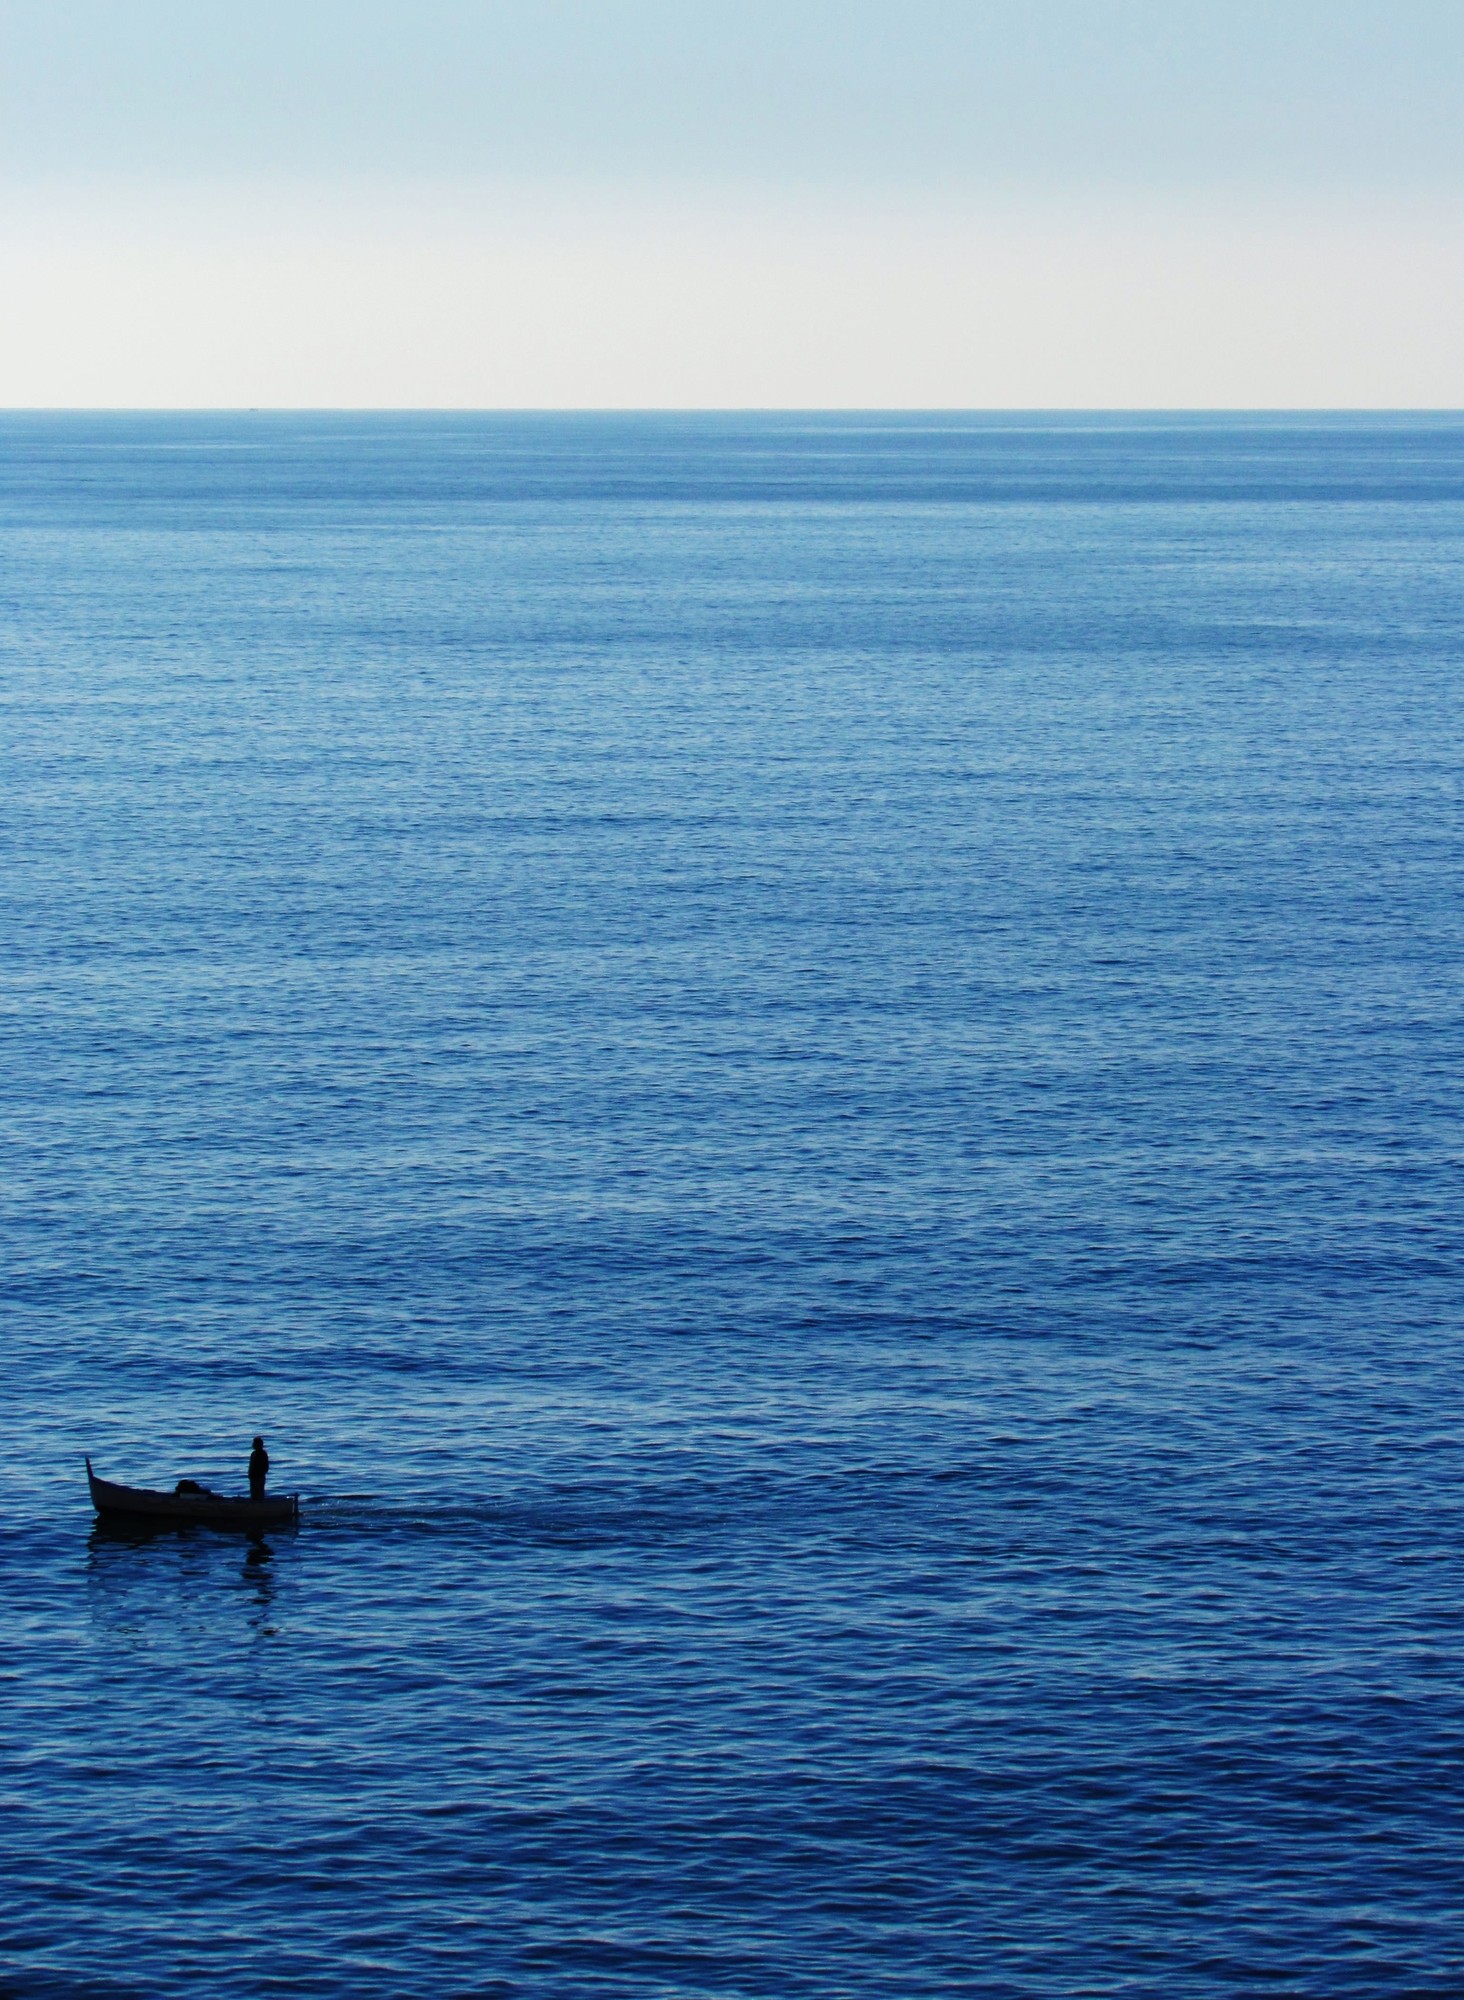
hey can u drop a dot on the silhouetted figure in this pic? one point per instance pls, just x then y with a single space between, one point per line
258 1470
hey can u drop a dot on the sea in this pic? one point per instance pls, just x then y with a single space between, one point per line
806 1069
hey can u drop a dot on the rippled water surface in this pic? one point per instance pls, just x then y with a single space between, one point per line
807 1071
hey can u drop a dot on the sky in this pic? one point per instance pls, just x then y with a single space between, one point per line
635 203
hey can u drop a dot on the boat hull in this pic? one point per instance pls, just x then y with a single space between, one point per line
190 1510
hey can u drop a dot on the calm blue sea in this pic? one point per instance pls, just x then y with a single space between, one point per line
807 1071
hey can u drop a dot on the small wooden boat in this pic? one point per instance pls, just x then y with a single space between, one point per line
193 1506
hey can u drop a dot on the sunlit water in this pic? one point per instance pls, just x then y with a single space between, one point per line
807 1072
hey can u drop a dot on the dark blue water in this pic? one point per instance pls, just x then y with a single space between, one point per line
808 1073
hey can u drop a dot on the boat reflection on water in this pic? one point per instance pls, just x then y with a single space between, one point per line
135 1531
147 1572
115 1531
130 1531
258 1573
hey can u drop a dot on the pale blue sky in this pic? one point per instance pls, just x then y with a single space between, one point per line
242 200
1318 91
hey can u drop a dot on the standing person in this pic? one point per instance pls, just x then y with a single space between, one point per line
258 1470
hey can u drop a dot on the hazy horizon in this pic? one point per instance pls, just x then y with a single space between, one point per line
620 204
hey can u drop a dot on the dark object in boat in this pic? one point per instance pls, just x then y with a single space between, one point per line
190 1505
